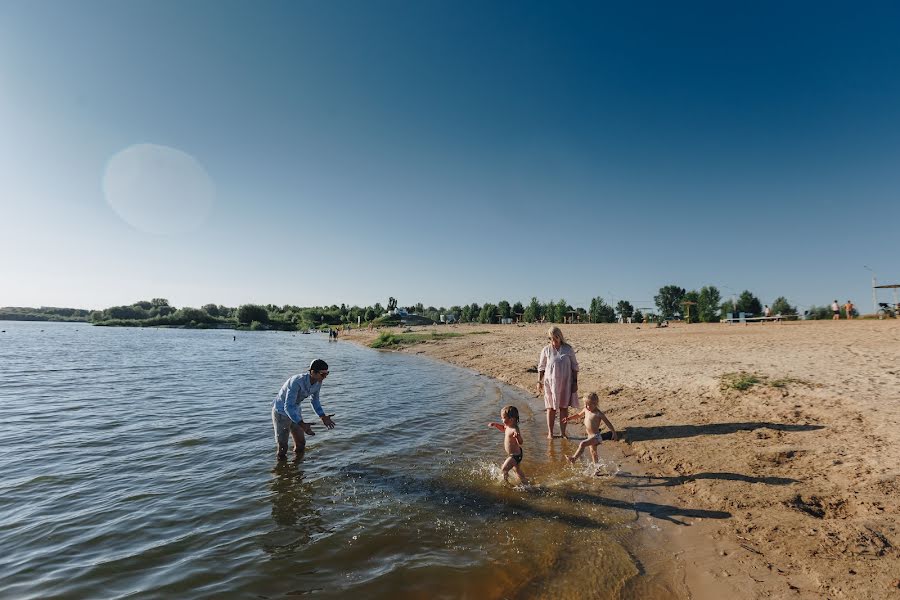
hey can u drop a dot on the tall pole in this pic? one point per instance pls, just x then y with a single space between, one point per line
874 296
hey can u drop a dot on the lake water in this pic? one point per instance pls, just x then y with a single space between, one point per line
140 463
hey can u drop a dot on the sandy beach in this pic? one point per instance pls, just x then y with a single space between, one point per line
806 459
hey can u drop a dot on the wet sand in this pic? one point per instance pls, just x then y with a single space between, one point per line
805 462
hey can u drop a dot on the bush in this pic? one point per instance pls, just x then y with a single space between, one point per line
782 307
247 313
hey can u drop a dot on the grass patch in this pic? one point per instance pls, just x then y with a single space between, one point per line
783 382
478 332
744 381
740 381
397 340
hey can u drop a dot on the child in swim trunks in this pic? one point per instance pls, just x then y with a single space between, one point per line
512 442
592 419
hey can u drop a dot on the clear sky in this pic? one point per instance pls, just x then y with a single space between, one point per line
446 152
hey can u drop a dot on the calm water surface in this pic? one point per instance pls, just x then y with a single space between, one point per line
140 463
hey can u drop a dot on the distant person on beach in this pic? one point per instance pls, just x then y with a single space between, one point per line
286 416
558 379
767 312
848 308
592 419
835 311
512 442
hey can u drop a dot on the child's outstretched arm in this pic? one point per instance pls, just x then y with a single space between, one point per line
615 436
575 416
497 426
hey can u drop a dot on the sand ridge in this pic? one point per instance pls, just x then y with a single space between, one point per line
806 459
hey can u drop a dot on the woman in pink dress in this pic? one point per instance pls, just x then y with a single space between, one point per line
558 379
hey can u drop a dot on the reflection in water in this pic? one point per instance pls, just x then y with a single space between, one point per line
294 513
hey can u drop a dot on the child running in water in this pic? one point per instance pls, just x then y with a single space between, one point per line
592 419
512 442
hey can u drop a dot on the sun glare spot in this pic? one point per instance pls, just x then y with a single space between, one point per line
158 189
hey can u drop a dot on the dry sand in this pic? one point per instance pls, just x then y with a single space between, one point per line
806 462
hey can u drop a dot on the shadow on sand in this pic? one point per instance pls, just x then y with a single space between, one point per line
666 432
468 499
665 512
645 481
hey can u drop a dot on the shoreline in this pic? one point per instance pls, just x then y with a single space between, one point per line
805 459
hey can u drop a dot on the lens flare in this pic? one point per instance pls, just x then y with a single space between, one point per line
158 189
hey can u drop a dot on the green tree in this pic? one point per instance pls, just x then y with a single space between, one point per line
625 309
562 311
607 313
187 315
533 312
601 312
132 312
247 313
504 308
637 317
819 312
518 310
708 304
488 314
691 296
211 309
594 309
392 304
669 300
159 302
781 306
748 303
465 315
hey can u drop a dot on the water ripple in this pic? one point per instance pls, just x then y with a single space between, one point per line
141 463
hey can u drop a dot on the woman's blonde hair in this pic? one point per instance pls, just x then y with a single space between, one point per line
557 333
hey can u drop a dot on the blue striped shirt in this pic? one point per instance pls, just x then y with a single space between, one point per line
294 390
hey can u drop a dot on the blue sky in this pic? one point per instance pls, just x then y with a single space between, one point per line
447 152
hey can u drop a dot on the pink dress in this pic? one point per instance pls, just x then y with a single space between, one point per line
558 367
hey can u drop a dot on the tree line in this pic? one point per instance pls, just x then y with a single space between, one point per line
703 305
